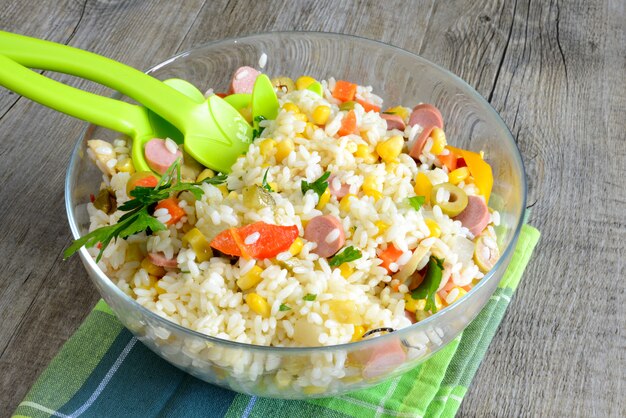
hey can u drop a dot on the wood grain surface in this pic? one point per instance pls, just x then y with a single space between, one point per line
556 72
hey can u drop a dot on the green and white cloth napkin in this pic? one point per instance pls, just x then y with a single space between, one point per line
103 371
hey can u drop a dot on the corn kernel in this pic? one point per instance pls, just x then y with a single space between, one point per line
390 148
344 203
199 244
359 330
438 301
258 304
363 151
273 185
414 305
207 173
371 187
346 270
458 175
125 166
321 114
250 279
301 117
324 199
266 147
439 141
291 107
345 311
151 268
296 246
224 189
382 226
400 111
304 82
283 149
423 186
433 227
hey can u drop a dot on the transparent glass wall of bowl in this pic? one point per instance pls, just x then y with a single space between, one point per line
399 78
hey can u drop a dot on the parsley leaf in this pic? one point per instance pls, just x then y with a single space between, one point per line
284 307
416 202
257 131
309 297
349 254
265 184
137 217
429 286
319 186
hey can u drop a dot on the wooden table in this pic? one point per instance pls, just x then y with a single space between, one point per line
555 72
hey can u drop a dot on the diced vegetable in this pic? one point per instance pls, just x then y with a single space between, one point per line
344 90
363 151
346 270
304 82
372 187
250 279
255 197
423 186
358 333
151 268
272 240
389 149
458 175
345 311
105 201
199 244
428 289
283 149
348 124
367 106
448 160
479 169
267 147
347 255
291 107
439 141
349 105
381 226
207 173
141 179
296 247
433 227
324 199
258 304
320 115
455 203
171 205
344 204
403 112
389 255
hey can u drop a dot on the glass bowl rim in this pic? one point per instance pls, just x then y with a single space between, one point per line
351 346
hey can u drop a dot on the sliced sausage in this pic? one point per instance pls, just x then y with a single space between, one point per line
340 192
419 143
425 115
158 259
410 316
384 358
243 80
158 156
475 216
393 121
327 232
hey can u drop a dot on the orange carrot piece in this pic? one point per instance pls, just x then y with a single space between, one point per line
367 105
348 124
271 240
449 160
344 90
389 255
175 211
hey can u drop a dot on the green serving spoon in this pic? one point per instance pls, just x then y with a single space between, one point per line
215 134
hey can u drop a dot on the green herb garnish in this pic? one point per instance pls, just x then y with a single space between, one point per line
349 254
416 202
284 307
257 131
138 216
309 297
428 288
319 186
265 184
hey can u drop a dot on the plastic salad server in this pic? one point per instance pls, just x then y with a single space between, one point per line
214 132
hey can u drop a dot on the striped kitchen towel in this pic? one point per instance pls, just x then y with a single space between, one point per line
103 371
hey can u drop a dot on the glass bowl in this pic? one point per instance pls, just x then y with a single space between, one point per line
397 76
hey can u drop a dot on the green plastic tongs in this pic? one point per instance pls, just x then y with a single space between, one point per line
213 131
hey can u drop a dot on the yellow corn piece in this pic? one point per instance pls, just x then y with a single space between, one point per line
304 82
413 305
439 141
382 226
433 227
207 173
273 185
266 147
371 187
258 304
423 186
389 149
458 175
199 244
438 302
133 253
291 107
346 270
250 279
125 166
224 189
363 151
283 149
359 330
344 203
400 111
324 199
320 115
345 311
296 246
152 269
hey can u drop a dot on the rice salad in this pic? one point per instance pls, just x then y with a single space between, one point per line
341 222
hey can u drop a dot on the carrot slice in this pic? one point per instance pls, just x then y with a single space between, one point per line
389 255
449 160
348 124
344 90
367 105
271 240
175 211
